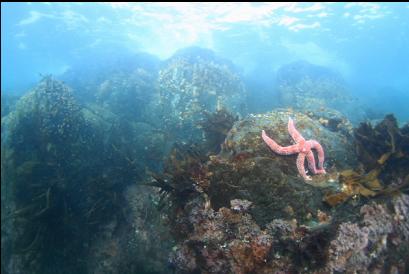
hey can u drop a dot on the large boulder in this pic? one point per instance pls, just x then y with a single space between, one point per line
129 94
195 81
65 171
305 87
40 152
247 169
87 77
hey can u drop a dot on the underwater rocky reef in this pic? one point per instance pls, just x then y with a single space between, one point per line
66 168
307 87
195 81
257 216
157 167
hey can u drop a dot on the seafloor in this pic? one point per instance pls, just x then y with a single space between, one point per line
143 166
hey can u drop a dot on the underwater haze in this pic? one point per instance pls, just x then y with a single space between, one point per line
205 137
365 42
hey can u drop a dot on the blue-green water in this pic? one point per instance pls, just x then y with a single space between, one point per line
101 99
366 42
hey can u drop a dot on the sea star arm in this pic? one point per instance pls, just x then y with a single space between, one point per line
311 162
300 166
320 151
277 148
297 137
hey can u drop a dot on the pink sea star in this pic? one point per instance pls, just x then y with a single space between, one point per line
302 147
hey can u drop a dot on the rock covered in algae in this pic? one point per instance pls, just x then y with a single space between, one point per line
377 243
305 86
247 169
332 119
195 80
139 143
230 241
8 103
245 220
67 168
223 241
129 94
122 69
39 142
47 116
141 245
